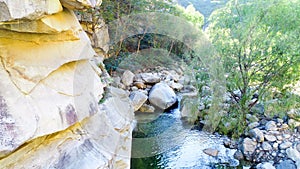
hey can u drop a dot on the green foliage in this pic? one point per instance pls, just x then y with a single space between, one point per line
281 104
149 59
258 42
191 15
116 9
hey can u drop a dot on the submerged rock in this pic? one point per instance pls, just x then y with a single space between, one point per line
147 108
211 152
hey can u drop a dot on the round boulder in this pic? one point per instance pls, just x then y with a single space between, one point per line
162 96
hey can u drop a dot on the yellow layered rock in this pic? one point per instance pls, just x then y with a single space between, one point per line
68 95
28 63
12 10
64 21
96 142
50 88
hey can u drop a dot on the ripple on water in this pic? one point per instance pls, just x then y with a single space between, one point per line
167 144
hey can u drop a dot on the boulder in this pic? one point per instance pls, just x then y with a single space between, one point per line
162 96
138 99
175 86
150 78
174 75
127 78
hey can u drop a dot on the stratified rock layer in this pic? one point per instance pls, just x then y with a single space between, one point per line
50 88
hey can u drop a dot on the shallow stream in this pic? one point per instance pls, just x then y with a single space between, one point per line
163 140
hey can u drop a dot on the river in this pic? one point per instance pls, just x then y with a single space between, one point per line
164 140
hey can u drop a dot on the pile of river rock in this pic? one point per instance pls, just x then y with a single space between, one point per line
268 142
271 143
152 89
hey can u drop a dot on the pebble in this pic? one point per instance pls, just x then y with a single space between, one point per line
286 136
271 126
266 146
279 120
252 118
257 134
285 145
279 138
270 138
265 165
275 146
253 125
238 155
284 126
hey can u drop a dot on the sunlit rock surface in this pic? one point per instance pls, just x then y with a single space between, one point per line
12 10
101 141
50 90
80 4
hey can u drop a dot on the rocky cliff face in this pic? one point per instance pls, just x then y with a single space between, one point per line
50 87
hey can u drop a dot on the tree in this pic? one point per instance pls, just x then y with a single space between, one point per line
258 41
121 46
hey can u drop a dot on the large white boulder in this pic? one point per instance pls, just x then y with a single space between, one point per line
162 96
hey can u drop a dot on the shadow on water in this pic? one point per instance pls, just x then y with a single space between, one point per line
162 140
